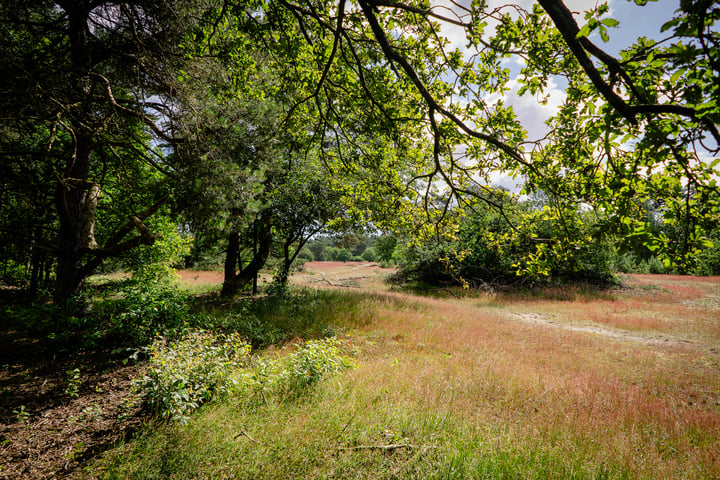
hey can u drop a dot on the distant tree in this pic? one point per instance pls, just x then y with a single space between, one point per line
385 247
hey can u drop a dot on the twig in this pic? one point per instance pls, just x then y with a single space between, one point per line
244 433
346 425
386 448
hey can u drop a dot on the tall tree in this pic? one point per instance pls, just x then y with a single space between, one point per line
96 80
629 126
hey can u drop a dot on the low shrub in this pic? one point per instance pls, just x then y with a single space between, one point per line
152 309
196 369
307 366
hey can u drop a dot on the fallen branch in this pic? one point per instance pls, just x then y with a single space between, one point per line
244 433
443 290
325 280
387 448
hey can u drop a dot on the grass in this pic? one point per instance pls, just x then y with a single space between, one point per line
460 389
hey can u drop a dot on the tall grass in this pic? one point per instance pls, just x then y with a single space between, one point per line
457 389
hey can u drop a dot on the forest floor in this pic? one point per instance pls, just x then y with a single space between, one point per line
59 410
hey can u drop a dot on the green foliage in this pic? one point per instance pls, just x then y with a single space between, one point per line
513 244
708 260
306 255
289 379
272 320
196 369
154 263
369 255
630 263
341 255
21 414
152 309
385 247
312 362
73 382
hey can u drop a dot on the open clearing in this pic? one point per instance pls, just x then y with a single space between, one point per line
564 383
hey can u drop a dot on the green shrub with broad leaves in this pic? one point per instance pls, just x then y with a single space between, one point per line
184 374
153 309
312 362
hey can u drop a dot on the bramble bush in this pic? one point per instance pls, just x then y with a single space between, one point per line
196 369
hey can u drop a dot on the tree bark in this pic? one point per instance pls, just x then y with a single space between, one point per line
70 199
234 282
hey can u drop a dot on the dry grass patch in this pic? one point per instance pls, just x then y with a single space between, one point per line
593 395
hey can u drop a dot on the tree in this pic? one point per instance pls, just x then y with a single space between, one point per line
303 204
385 247
93 81
659 98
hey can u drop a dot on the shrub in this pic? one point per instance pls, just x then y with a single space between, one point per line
310 364
183 375
385 247
708 261
153 309
306 255
342 255
655 265
155 262
369 255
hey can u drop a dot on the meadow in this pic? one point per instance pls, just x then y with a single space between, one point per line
561 383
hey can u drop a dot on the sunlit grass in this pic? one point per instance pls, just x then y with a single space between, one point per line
466 391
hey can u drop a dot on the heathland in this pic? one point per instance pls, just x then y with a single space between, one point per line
556 383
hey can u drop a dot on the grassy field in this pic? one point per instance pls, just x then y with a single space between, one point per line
560 384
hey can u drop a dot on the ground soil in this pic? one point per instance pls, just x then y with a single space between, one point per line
46 429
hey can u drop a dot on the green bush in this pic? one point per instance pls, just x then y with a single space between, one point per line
369 255
521 245
154 263
708 261
307 366
184 374
343 255
655 265
625 263
152 309
385 247
306 255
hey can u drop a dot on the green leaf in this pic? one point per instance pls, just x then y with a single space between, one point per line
610 22
584 31
670 24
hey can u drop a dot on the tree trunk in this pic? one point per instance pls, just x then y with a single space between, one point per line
71 194
232 256
70 198
37 260
235 282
